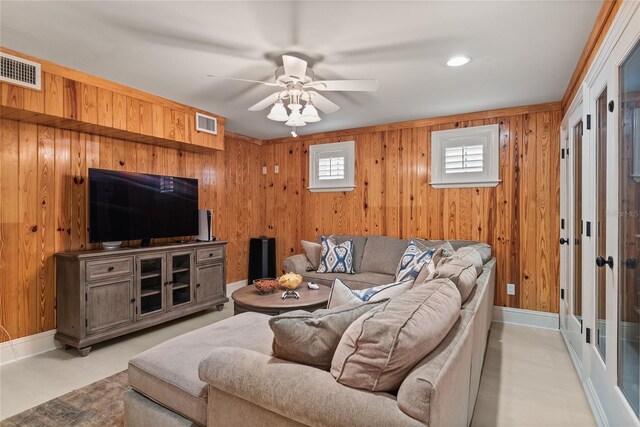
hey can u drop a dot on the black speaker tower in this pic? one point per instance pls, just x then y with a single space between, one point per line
262 258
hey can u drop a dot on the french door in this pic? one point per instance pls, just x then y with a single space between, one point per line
600 261
572 200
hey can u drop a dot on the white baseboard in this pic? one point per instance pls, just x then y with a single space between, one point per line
531 318
21 348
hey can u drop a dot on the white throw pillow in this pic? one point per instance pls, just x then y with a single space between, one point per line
341 294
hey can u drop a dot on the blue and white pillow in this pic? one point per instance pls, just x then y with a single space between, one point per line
412 262
341 294
336 258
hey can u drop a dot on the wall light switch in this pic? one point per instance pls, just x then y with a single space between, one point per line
264 170
511 289
276 169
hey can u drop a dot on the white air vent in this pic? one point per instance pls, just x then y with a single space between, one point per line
20 71
206 124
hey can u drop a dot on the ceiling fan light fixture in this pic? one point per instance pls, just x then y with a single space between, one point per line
295 107
295 119
457 61
278 113
310 114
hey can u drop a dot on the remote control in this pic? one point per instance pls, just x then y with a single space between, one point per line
313 286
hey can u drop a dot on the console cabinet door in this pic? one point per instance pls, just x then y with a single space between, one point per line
210 282
180 275
109 304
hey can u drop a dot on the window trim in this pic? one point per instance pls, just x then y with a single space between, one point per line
488 136
316 151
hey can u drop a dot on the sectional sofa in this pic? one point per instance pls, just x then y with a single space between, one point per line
224 374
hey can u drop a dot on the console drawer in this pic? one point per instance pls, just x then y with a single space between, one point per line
108 268
210 254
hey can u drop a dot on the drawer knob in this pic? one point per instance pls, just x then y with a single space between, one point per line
198 285
133 300
210 254
110 268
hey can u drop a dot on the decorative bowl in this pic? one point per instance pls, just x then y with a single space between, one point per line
266 285
290 281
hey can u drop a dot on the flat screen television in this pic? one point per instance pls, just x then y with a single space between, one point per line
131 206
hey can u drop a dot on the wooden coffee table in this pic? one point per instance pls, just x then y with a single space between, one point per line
247 298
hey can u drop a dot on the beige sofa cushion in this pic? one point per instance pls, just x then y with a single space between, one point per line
312 338
168 372
461 272
378 350
382 254
354 281
313 251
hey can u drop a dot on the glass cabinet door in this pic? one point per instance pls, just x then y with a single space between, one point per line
600 289
151 295
180 272
629 230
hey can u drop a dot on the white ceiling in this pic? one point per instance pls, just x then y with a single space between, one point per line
523 52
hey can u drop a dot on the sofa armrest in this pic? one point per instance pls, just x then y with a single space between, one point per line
304 394
296 263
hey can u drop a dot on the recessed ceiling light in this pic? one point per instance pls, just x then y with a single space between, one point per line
457 61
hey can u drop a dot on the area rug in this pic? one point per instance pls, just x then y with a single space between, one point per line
98 404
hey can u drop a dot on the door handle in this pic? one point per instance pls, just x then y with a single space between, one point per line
198 285
631 263
564 241
601 262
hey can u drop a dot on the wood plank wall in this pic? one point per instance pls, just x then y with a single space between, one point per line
43 206
519 217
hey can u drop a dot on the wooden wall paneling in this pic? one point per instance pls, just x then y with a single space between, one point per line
27 206
554 213
33 100
119 111
70 99
53 95
46 228
62 189
88 104
543 220
9 229
169 124
105 107
11 95
528 241
179 124
189 127
78 190
146 118
133 115
157 114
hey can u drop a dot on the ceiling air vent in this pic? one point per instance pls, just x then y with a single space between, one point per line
20 71
206 124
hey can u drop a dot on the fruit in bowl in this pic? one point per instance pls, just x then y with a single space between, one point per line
266 285
290 281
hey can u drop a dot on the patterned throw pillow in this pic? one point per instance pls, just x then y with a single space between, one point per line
336 258
341 294
412 262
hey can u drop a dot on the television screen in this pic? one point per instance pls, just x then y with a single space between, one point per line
130 206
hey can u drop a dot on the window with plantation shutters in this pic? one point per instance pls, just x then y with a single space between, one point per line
466 157
331 167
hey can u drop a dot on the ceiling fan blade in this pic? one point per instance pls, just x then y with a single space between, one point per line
265 102
243 80
294 67
322 103
345 85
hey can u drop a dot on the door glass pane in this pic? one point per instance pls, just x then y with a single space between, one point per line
601 223
577 221
629 231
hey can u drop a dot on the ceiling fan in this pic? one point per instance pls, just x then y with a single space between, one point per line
298 85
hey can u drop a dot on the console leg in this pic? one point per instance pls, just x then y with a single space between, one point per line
66 346
219 307
84 352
